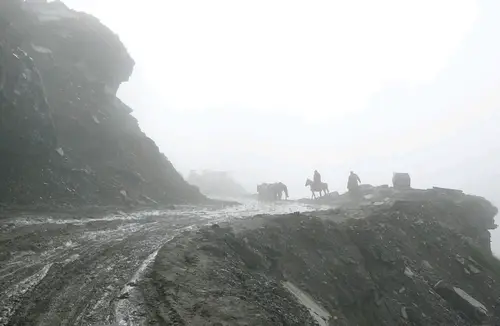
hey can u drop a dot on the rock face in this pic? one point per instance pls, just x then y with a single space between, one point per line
400 263
64 135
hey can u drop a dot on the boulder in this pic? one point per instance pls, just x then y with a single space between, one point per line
462 301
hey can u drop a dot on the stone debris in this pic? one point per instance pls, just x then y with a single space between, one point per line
404 314
427 265
317 312
462 301
408 272
473 269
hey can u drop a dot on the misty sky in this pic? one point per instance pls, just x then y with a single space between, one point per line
271 90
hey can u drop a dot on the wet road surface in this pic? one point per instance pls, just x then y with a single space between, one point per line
63 270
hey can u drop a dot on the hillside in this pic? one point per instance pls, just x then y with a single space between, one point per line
421 261
65 137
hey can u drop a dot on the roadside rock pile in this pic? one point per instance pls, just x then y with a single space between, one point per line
65 138
400 263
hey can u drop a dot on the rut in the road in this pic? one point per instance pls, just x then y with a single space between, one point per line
81 282
94 263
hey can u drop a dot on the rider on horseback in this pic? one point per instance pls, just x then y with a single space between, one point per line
317 177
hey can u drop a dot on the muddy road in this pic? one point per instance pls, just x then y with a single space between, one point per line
82 270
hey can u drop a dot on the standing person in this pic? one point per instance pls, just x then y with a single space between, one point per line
353 181
317 178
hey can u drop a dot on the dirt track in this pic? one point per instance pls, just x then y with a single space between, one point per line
82 271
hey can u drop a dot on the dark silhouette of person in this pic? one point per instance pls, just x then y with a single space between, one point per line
353 181
317 177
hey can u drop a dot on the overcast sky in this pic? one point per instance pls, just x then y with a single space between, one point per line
271 90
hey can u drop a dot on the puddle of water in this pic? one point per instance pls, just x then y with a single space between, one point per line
317 312
246 209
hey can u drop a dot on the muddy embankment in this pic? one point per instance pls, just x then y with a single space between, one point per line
83 269
420 262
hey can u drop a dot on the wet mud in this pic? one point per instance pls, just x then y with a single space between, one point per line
67 269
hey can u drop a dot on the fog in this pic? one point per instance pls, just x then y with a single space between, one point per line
271 90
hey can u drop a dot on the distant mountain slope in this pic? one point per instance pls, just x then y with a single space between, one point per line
216 183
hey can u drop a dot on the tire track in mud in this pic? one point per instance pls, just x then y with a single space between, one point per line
92 269
70 271
129 309
10 297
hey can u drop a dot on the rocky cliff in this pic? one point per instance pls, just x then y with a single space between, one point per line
65 137
402 262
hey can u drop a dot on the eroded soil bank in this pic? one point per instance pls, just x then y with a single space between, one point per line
402 263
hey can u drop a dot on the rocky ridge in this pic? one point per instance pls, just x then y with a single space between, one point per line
65 137
402 262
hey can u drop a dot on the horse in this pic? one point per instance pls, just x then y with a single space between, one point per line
321 187
263 191
280 188
272 191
